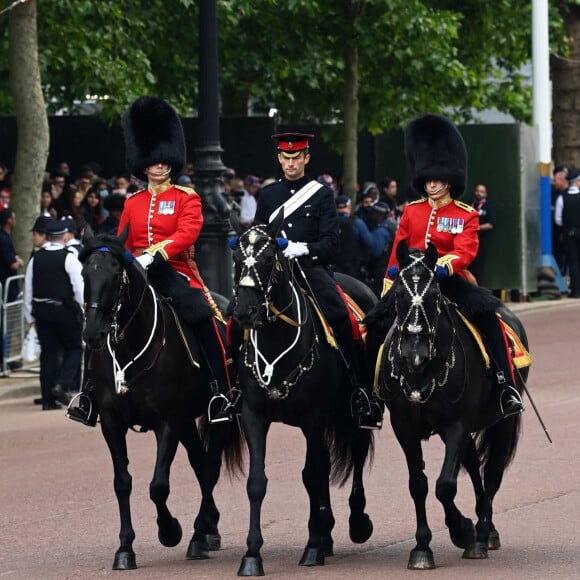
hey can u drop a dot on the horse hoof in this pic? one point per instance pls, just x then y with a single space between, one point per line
360 529
493 542
124 561
251 566
312 557
197 550
465 536
171 536
477 551
328 546
214 541
421 560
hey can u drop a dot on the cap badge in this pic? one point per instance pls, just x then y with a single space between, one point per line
290 144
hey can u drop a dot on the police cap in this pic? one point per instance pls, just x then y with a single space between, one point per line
40 224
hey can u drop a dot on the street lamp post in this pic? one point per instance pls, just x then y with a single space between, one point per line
213 254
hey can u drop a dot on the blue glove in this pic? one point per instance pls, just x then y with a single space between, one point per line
392 272
441 272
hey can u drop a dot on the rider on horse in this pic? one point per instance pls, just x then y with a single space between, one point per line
164 223
311 227
437 159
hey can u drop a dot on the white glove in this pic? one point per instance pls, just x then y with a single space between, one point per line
295 250
145 260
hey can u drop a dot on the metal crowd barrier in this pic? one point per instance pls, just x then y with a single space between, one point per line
13 326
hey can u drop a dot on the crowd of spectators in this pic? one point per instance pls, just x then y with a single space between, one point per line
93 203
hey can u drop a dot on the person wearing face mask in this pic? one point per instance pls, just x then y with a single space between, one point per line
437 159
163 223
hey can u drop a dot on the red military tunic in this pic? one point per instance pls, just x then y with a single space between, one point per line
449 224
165 219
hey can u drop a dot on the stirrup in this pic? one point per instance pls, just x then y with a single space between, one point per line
222 415
513 402
360 402
79 412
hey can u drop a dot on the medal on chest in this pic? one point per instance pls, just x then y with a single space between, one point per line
166 208
450 225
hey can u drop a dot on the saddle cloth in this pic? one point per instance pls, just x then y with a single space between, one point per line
355 314
520 356
190 342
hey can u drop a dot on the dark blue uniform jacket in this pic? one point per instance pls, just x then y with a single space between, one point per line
315 222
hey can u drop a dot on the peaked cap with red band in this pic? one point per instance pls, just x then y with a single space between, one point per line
292 144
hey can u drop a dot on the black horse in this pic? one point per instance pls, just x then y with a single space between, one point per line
290 374
143 376
434 381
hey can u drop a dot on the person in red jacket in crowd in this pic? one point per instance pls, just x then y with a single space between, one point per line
437 158
164 221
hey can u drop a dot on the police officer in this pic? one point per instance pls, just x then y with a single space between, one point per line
53 299
486 223
164 221
311 226
437 159
567 216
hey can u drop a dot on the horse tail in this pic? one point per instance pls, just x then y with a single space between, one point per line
498 443
347 444
233 442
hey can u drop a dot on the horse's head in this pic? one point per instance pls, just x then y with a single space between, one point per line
104 260
256 265
418 305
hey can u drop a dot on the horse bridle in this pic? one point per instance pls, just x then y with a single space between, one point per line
414 327
115 335
417 308
250 278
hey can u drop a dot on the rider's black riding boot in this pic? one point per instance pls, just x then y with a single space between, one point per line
510 401
85 411
218 410
366 408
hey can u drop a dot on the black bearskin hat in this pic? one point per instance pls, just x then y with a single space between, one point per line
434 149
153 134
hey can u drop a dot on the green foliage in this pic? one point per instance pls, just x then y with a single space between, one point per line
414 55
114 52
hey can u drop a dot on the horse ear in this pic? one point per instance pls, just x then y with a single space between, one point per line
431 256
402 253
124 234
276 224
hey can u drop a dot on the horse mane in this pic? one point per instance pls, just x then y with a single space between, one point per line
114 244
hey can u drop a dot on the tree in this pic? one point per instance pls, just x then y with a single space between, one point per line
374 64
565 73
32 124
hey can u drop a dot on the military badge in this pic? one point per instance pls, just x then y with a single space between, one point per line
166 208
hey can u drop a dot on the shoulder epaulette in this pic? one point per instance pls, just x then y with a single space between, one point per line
188 190
131 194
422 200
463 205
